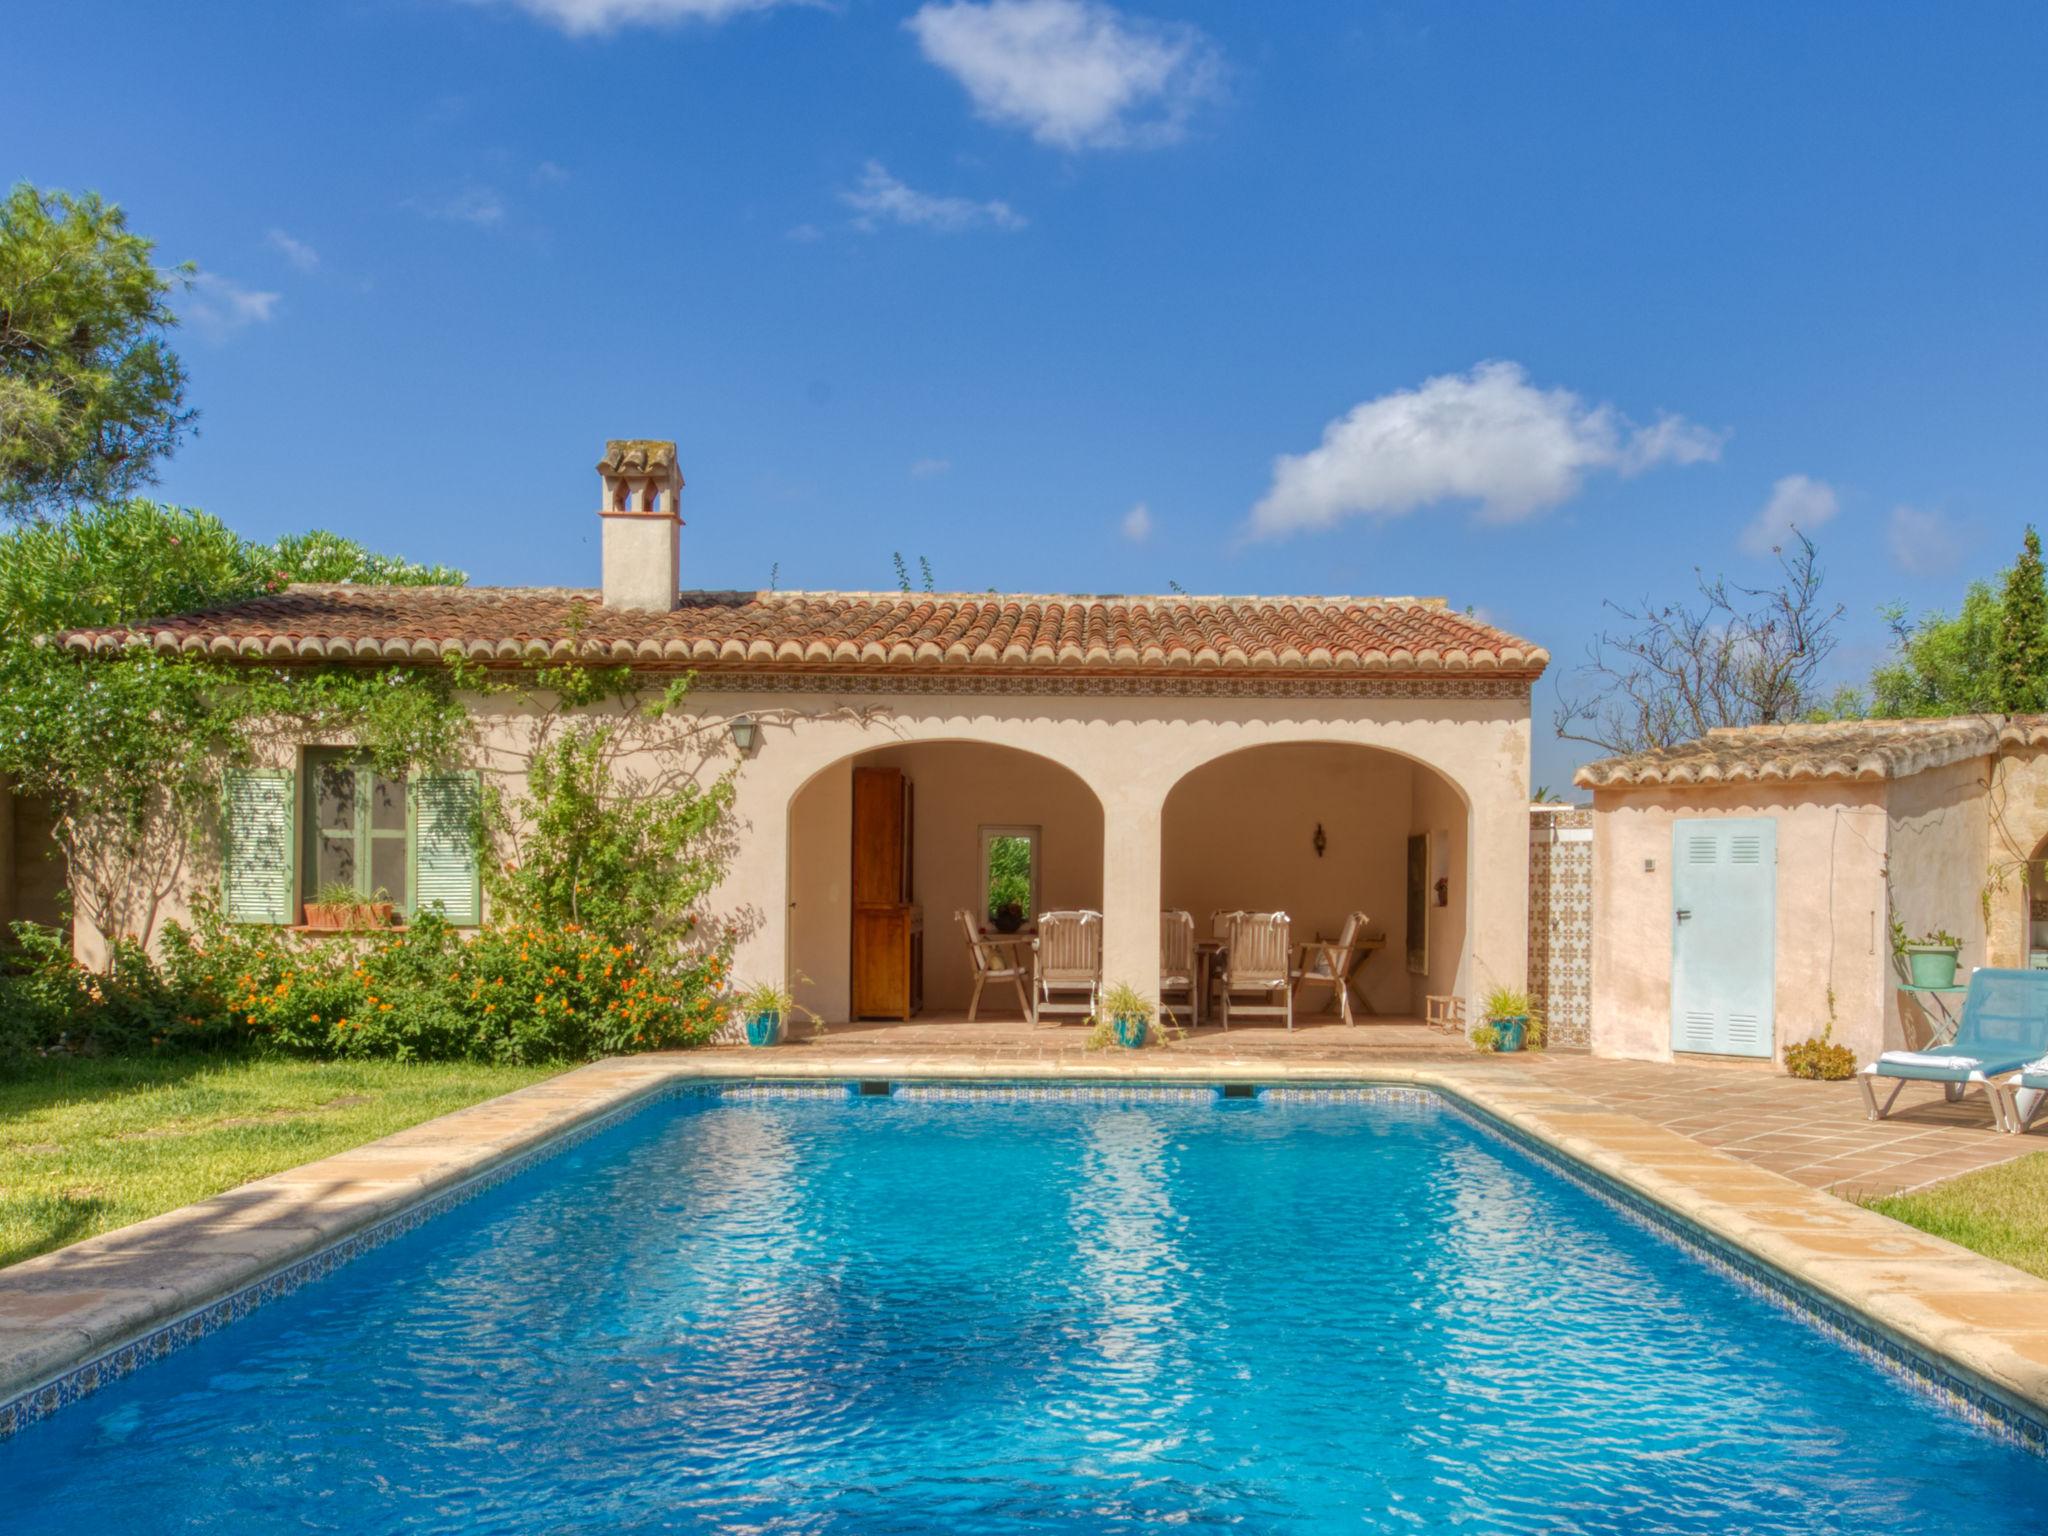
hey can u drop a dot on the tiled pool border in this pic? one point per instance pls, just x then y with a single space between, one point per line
2008 1420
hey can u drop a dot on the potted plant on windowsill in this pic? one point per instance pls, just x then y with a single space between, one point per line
1126 1017
1512 1021
338 907
1008 917
1930 960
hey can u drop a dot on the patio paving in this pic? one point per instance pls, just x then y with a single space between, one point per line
1813 1133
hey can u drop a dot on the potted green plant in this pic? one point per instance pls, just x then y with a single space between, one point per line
1511 1021
1126 1017
765 1009
1931 958
337 906
1007 917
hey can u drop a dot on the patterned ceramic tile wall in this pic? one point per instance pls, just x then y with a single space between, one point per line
1561 920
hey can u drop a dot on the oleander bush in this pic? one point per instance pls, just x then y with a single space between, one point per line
511 993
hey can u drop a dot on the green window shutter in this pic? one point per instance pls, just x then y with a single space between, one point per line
444 807
257 872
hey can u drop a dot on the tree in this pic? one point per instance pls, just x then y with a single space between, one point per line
2021 655
1990 658
91 397
1673 671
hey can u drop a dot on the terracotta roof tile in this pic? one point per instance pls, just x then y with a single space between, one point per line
847 631
1834 750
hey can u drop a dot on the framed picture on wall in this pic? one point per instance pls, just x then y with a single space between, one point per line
1418 904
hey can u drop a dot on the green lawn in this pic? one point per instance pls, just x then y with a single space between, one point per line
86 1146
2001 1212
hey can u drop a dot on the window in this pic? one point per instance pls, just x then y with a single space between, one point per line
408 841
357 832
1009 875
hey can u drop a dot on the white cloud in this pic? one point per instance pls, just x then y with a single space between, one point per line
1137 523
1075 74
473 204
881 198
1488 437
1797 501
804 234
584 18
297 252
217 307
1921 540
929 469
548 174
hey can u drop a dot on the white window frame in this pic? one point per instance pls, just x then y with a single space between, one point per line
1034 835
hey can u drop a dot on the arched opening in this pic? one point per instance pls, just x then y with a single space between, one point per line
653 497
979 825
2034 917
622 495
1319 830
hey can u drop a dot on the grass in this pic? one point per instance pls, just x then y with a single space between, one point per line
90 1145
2000 1212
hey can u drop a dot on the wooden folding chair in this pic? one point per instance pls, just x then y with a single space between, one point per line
1322 963
1177 960
1256 966
992 961
1069 964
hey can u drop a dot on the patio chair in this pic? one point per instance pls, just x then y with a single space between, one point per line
1324 963
1256 966
1177 958
2004 1028
993 962
1069 965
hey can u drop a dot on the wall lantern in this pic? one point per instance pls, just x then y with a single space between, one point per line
1322 842
744 733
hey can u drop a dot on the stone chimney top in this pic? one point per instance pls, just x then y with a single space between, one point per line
642 492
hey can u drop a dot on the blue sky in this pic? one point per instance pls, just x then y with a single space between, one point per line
1528 305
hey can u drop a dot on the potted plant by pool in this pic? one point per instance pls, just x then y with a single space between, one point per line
1126 1017
763 1009
337 906
1511 1021
1931 958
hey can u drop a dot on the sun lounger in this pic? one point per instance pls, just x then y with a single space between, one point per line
2004 1027
2023 1095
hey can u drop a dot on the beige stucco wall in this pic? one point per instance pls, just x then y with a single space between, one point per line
1129 750
1830 929
1850 858
1437 810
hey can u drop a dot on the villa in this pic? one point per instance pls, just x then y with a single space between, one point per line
1314 756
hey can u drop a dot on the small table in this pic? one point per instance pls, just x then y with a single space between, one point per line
1207 952
1940 1015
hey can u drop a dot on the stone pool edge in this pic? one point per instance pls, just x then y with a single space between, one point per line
90 1313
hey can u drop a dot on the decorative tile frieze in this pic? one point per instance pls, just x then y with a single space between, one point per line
1040 685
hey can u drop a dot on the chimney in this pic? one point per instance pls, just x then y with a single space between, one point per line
642 493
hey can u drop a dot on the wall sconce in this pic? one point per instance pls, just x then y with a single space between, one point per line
1322 842
744 733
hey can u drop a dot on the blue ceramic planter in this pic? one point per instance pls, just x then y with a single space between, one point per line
1130 1032
1931 967
1508 1034
764 1028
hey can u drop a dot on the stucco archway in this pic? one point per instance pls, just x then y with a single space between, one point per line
1240 831
961 788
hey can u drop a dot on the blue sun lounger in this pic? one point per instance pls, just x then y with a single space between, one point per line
2004 1028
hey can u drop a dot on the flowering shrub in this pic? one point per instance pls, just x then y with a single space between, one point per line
516 993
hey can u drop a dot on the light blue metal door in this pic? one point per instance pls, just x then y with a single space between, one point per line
1724 879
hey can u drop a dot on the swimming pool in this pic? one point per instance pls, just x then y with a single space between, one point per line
911 1313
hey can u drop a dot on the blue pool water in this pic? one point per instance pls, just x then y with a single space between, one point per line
882 1316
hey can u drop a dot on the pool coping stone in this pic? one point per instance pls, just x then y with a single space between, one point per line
75 1318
